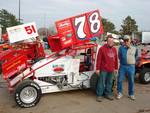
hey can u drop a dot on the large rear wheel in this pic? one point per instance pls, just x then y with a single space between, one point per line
27 94
93 82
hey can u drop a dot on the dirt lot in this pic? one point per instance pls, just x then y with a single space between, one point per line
81 101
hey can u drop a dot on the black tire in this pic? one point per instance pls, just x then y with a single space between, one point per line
144 76
93 82
32 98
0 67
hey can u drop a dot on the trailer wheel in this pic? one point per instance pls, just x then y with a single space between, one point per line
27 94
144 76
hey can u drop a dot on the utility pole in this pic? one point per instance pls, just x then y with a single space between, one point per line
0 32
19 11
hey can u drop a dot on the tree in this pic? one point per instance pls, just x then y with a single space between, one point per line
7 20
108 26
128 26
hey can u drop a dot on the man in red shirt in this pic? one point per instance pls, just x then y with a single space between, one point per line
107 65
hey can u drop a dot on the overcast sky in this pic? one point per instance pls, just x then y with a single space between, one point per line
46 12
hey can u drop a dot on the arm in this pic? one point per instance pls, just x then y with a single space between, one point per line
116 59
99 59
136 54
119 52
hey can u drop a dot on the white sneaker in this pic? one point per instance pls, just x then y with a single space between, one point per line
132 97
119 96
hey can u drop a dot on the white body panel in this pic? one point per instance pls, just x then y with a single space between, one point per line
50 80
19 77
75 80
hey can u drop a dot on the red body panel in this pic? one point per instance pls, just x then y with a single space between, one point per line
65 32
86 29
5 46
31 50
101 30
54 43
17 64
6 55
76 30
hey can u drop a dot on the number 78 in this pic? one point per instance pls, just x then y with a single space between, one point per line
94 23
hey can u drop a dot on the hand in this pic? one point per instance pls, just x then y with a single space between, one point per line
116 71
97 72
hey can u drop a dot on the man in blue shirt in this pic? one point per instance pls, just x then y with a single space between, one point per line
127 56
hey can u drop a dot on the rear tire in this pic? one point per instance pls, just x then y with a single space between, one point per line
93 82
27 94
0 67
144 76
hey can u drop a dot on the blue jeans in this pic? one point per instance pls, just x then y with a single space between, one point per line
128 70
104 84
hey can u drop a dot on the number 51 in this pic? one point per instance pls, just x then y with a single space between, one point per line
30 29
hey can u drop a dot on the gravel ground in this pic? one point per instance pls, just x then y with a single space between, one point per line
79 101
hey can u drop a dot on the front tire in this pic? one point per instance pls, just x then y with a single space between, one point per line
144 76
27 94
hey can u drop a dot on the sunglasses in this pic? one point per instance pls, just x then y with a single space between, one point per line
127 40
